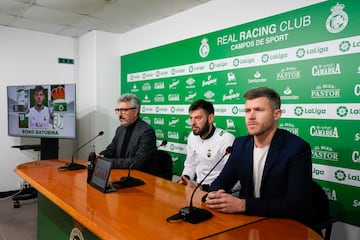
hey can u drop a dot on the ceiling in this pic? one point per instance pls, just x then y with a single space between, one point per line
74 18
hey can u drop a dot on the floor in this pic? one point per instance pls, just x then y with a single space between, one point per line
18 223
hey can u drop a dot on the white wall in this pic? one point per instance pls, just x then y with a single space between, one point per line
28 57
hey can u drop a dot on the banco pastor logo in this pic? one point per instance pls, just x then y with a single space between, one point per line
340 175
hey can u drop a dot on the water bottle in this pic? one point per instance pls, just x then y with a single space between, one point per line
91 163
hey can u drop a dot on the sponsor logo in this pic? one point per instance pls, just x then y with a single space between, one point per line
326 69
147 120
357 137
174 84
134 88
357 90
232 95
230 124
173 135
330 193
356 203
324 153
355 156
343 111
265 58
288 73
159 85
190 97
288 94
290 127
324 131
146 87
147 75
159 133
257 78
301 52
302 110
231 79
338 19
326 91
173 122
161 73
177 110
209 94
146 99
159 98
190 82
159 121
210 81
341 175
174 97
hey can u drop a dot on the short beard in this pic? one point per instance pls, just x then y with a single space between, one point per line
204 130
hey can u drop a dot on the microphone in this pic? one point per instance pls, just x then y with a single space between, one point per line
76 166
129 181
192 214
163 143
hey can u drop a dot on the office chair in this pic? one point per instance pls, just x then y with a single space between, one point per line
162 165
322 222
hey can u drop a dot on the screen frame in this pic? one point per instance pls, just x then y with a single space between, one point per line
63 123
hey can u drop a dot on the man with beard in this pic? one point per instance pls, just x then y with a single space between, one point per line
134 141
272 165
39 114
206 144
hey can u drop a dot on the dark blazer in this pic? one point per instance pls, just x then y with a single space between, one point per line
141 147
286 183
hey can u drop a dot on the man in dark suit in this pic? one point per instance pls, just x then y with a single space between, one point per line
134 141
272 165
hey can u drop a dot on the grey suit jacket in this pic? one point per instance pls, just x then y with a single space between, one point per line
140 149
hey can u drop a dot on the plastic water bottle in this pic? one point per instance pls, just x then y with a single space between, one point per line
91 163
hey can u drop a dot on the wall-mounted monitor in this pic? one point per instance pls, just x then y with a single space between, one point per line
43 111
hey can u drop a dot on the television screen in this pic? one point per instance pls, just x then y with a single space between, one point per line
44 111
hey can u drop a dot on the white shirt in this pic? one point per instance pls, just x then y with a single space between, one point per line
39 119
202 155
260 155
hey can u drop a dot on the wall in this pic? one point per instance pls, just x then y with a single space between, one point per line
29 57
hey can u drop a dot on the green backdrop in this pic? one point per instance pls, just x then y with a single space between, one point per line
309 55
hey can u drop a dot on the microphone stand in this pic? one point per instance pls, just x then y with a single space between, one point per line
193 214
76 166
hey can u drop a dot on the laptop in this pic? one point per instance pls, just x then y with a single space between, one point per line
100 177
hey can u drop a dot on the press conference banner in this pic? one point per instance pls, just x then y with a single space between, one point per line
309 55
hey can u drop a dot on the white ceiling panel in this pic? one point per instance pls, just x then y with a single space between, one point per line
76 17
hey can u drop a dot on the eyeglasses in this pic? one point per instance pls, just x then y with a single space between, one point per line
123 110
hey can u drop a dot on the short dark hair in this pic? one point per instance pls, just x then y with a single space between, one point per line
269 93
208 107
39 88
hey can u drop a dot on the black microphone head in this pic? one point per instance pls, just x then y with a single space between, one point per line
163 143
229 150
101 133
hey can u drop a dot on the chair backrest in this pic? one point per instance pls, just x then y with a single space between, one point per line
162 165
322 221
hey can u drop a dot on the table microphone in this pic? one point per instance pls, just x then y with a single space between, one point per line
130 181
75 166
193 214
163 143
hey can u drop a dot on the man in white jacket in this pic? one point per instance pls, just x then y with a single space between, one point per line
206 145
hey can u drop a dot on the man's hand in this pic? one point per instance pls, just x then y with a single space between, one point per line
225 202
